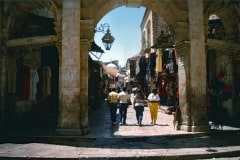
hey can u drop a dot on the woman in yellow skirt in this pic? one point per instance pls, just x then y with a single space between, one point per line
153 103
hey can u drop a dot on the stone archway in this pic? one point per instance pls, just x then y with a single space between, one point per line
193 89
73 94
74 24
187 19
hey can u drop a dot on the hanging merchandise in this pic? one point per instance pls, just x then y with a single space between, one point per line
175 61
143 66
12 74
132 68
176 57
227 91
170 66
46 81
152 64
159 60
137 67
220 74
170 53
25 82
34 79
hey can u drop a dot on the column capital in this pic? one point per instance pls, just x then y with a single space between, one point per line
183 48
87 28
181 31
5 32
85 43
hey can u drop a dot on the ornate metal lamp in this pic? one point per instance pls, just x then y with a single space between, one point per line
107 39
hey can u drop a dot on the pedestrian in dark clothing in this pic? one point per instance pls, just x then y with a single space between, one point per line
123 98
113 101
138 104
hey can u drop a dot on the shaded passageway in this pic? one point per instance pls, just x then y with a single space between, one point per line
101 126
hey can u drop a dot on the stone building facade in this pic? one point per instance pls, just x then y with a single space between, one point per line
58 48
151 27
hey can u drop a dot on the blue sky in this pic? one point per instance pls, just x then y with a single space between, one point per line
125 28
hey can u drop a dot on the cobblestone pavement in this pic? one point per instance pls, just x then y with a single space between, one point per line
105 141
103 127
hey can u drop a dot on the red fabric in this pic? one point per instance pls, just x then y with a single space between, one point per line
25 86
162 89
220 75
227 89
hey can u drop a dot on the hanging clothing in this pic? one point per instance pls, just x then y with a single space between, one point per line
132 68
143 67
25 83
176 57
46 81
170 53
137 69
34 79
175 61
159 60
170 66
152 64
12 74
19 74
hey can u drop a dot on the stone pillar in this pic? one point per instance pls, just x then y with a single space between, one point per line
3 75
183 50
69 73
192 73
84 86
3 87
197 88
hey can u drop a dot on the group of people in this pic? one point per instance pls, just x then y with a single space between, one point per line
137 99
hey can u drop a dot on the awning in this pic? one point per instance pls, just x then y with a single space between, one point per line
96 48
112 71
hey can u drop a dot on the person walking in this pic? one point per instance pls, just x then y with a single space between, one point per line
154 104
123 98
113 101
132 95
138 104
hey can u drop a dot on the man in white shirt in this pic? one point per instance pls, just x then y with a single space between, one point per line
123 98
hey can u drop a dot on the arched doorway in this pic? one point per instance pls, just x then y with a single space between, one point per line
192 120
29 106
74 25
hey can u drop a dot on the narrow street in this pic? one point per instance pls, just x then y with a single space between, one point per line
101 124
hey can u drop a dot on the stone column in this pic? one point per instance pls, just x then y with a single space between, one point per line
192 70
3 75
3 87
183 82
84 86
197 88
87 34
69 73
